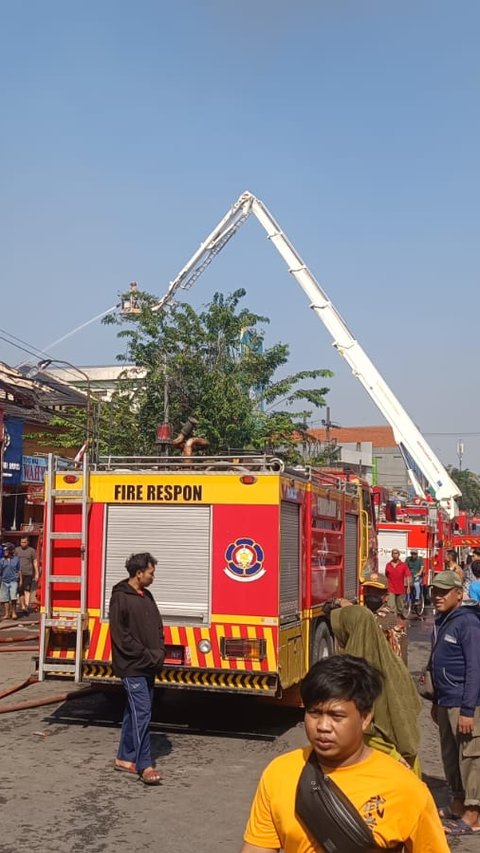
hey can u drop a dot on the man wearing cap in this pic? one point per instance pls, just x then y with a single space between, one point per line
455 668
375 597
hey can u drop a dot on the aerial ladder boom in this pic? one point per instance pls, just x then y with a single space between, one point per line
419 457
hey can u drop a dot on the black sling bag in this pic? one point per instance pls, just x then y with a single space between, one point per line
328 814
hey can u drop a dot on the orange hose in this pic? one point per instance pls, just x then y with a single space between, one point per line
32 679
19 638
50 700
19 649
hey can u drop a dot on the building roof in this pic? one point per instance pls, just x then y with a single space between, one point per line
96 373
34 400
380 436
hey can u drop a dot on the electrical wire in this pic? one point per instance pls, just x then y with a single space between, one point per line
11 343
33 349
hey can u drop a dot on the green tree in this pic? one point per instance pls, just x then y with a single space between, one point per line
113 426
212 375
469 484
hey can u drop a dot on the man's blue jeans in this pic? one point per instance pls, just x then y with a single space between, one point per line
135 737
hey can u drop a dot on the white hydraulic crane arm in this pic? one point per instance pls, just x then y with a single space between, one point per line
209 249
418 455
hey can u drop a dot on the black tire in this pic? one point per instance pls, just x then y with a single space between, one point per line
322 645
419 605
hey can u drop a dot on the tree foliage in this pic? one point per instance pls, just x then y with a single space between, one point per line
112 428
214 366
469 484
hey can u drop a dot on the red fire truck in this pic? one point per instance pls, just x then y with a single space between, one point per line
248 552
420 525
464 534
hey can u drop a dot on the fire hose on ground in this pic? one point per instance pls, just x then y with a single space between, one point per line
23 624
19 639
46 700
8 644
32 679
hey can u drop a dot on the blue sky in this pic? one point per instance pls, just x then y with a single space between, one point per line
129 129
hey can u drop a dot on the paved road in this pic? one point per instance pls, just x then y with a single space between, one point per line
59 792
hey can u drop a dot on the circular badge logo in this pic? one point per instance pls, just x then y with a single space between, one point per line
244 560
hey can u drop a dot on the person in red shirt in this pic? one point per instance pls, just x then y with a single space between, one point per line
399 577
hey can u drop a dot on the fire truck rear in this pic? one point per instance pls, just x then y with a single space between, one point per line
418 525
248 553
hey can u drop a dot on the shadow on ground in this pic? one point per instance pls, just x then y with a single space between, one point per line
186 712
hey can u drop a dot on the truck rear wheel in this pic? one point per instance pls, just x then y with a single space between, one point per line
322 643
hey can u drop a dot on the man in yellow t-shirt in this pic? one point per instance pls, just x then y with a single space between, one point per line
338 694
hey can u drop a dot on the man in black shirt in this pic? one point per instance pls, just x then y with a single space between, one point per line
138 651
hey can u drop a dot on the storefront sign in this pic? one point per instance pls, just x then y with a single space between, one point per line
12 450
35 495
33 469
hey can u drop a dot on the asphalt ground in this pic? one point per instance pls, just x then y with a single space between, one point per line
59 792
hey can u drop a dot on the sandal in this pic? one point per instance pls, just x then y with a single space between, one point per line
150 776
447 814
458 827
128 767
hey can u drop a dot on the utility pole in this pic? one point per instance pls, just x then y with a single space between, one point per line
328 424
460 450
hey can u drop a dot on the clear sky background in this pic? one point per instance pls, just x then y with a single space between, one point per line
128 130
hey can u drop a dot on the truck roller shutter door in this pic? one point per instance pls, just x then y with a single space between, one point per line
179 538
350 584
289 560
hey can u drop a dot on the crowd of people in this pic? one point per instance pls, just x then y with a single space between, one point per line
361 771
19 573
357 785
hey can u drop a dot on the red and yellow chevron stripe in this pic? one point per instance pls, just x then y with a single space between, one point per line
61 645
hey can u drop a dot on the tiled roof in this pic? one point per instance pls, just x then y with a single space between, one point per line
380 436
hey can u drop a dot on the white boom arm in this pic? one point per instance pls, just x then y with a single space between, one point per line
418 455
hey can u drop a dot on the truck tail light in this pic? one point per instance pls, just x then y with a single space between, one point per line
174 654
238 648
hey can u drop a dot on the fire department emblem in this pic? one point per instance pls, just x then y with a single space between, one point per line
244 560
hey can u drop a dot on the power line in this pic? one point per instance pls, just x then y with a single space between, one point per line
24 349
36 352
20 340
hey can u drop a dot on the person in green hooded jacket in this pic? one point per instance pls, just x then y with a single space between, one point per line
395 727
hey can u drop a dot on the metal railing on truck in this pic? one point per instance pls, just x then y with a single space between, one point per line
241 462
187 464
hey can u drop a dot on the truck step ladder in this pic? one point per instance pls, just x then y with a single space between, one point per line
76 620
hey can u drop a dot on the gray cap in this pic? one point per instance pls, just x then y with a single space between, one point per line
447 580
